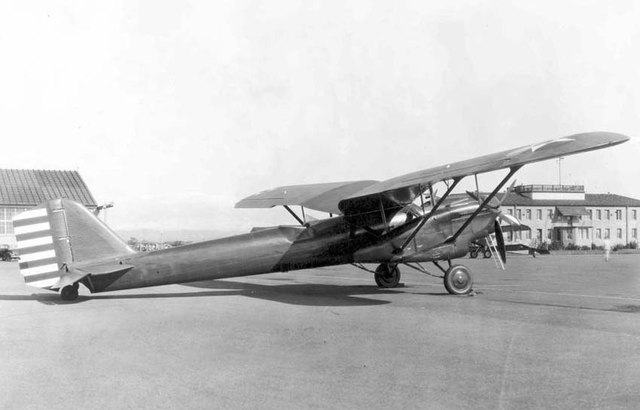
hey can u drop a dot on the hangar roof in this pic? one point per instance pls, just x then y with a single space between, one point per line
30 187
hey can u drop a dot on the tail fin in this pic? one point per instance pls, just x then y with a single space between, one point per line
58 233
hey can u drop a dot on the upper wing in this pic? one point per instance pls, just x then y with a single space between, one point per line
321 197
404 189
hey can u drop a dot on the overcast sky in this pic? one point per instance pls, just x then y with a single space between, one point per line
176 110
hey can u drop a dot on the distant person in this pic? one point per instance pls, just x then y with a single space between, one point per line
532 247
607 249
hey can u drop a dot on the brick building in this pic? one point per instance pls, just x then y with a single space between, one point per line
567 215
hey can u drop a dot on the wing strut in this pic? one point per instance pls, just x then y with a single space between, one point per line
426 218
293 214
384 217
466 223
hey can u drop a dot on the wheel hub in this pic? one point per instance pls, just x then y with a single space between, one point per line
460 279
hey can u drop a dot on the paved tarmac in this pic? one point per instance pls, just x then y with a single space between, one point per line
550 332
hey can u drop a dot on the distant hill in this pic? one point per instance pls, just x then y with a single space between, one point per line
174 235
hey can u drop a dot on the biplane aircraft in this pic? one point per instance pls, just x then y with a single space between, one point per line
392 223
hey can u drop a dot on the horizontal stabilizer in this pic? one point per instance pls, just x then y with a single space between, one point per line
75 273
103 268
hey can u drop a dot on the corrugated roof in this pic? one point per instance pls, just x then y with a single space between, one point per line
589 200
30 187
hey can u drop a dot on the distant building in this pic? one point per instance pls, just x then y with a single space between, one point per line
567 215
22 189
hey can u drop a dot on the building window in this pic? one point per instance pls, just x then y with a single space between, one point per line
598 214
539 212
619 233
618 214
607 233
6 218
549 213
586 233
510 211
590 214
634 233
549 233
527 235
598 233
528 214
635 214
519 213
608 213
539 235
570 234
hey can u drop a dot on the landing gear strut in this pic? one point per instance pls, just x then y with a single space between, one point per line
69 292
458 280
387 275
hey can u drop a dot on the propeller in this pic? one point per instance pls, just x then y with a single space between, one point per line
502 250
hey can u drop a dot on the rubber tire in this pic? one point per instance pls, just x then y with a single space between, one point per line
69 292
386 277
473 254
486 253
458 280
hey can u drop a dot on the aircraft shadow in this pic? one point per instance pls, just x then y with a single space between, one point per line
54 298
292 294
307 294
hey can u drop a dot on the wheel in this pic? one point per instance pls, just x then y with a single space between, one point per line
458 280
473 254
486 253
69 292
387 276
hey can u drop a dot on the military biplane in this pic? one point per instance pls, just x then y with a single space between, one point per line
392 223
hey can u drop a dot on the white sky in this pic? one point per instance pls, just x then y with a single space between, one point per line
176 110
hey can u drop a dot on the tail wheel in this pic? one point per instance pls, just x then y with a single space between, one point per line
486 254
69 292
458 280
387 276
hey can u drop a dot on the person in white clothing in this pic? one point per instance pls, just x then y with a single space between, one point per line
607 249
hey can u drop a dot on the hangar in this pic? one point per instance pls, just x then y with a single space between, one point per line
21 189
566 214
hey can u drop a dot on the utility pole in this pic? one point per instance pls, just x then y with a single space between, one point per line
560 170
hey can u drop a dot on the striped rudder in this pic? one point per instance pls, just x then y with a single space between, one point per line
54 237
38 262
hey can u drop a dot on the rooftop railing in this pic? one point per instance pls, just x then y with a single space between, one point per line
550 188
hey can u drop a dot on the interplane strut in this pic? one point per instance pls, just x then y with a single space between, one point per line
484 203
428 216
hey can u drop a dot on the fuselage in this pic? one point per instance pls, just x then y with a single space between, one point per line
331 241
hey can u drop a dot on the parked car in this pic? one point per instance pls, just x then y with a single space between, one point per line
6 254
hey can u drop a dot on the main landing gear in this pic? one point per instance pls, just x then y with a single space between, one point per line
387 275
70 292
458 280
